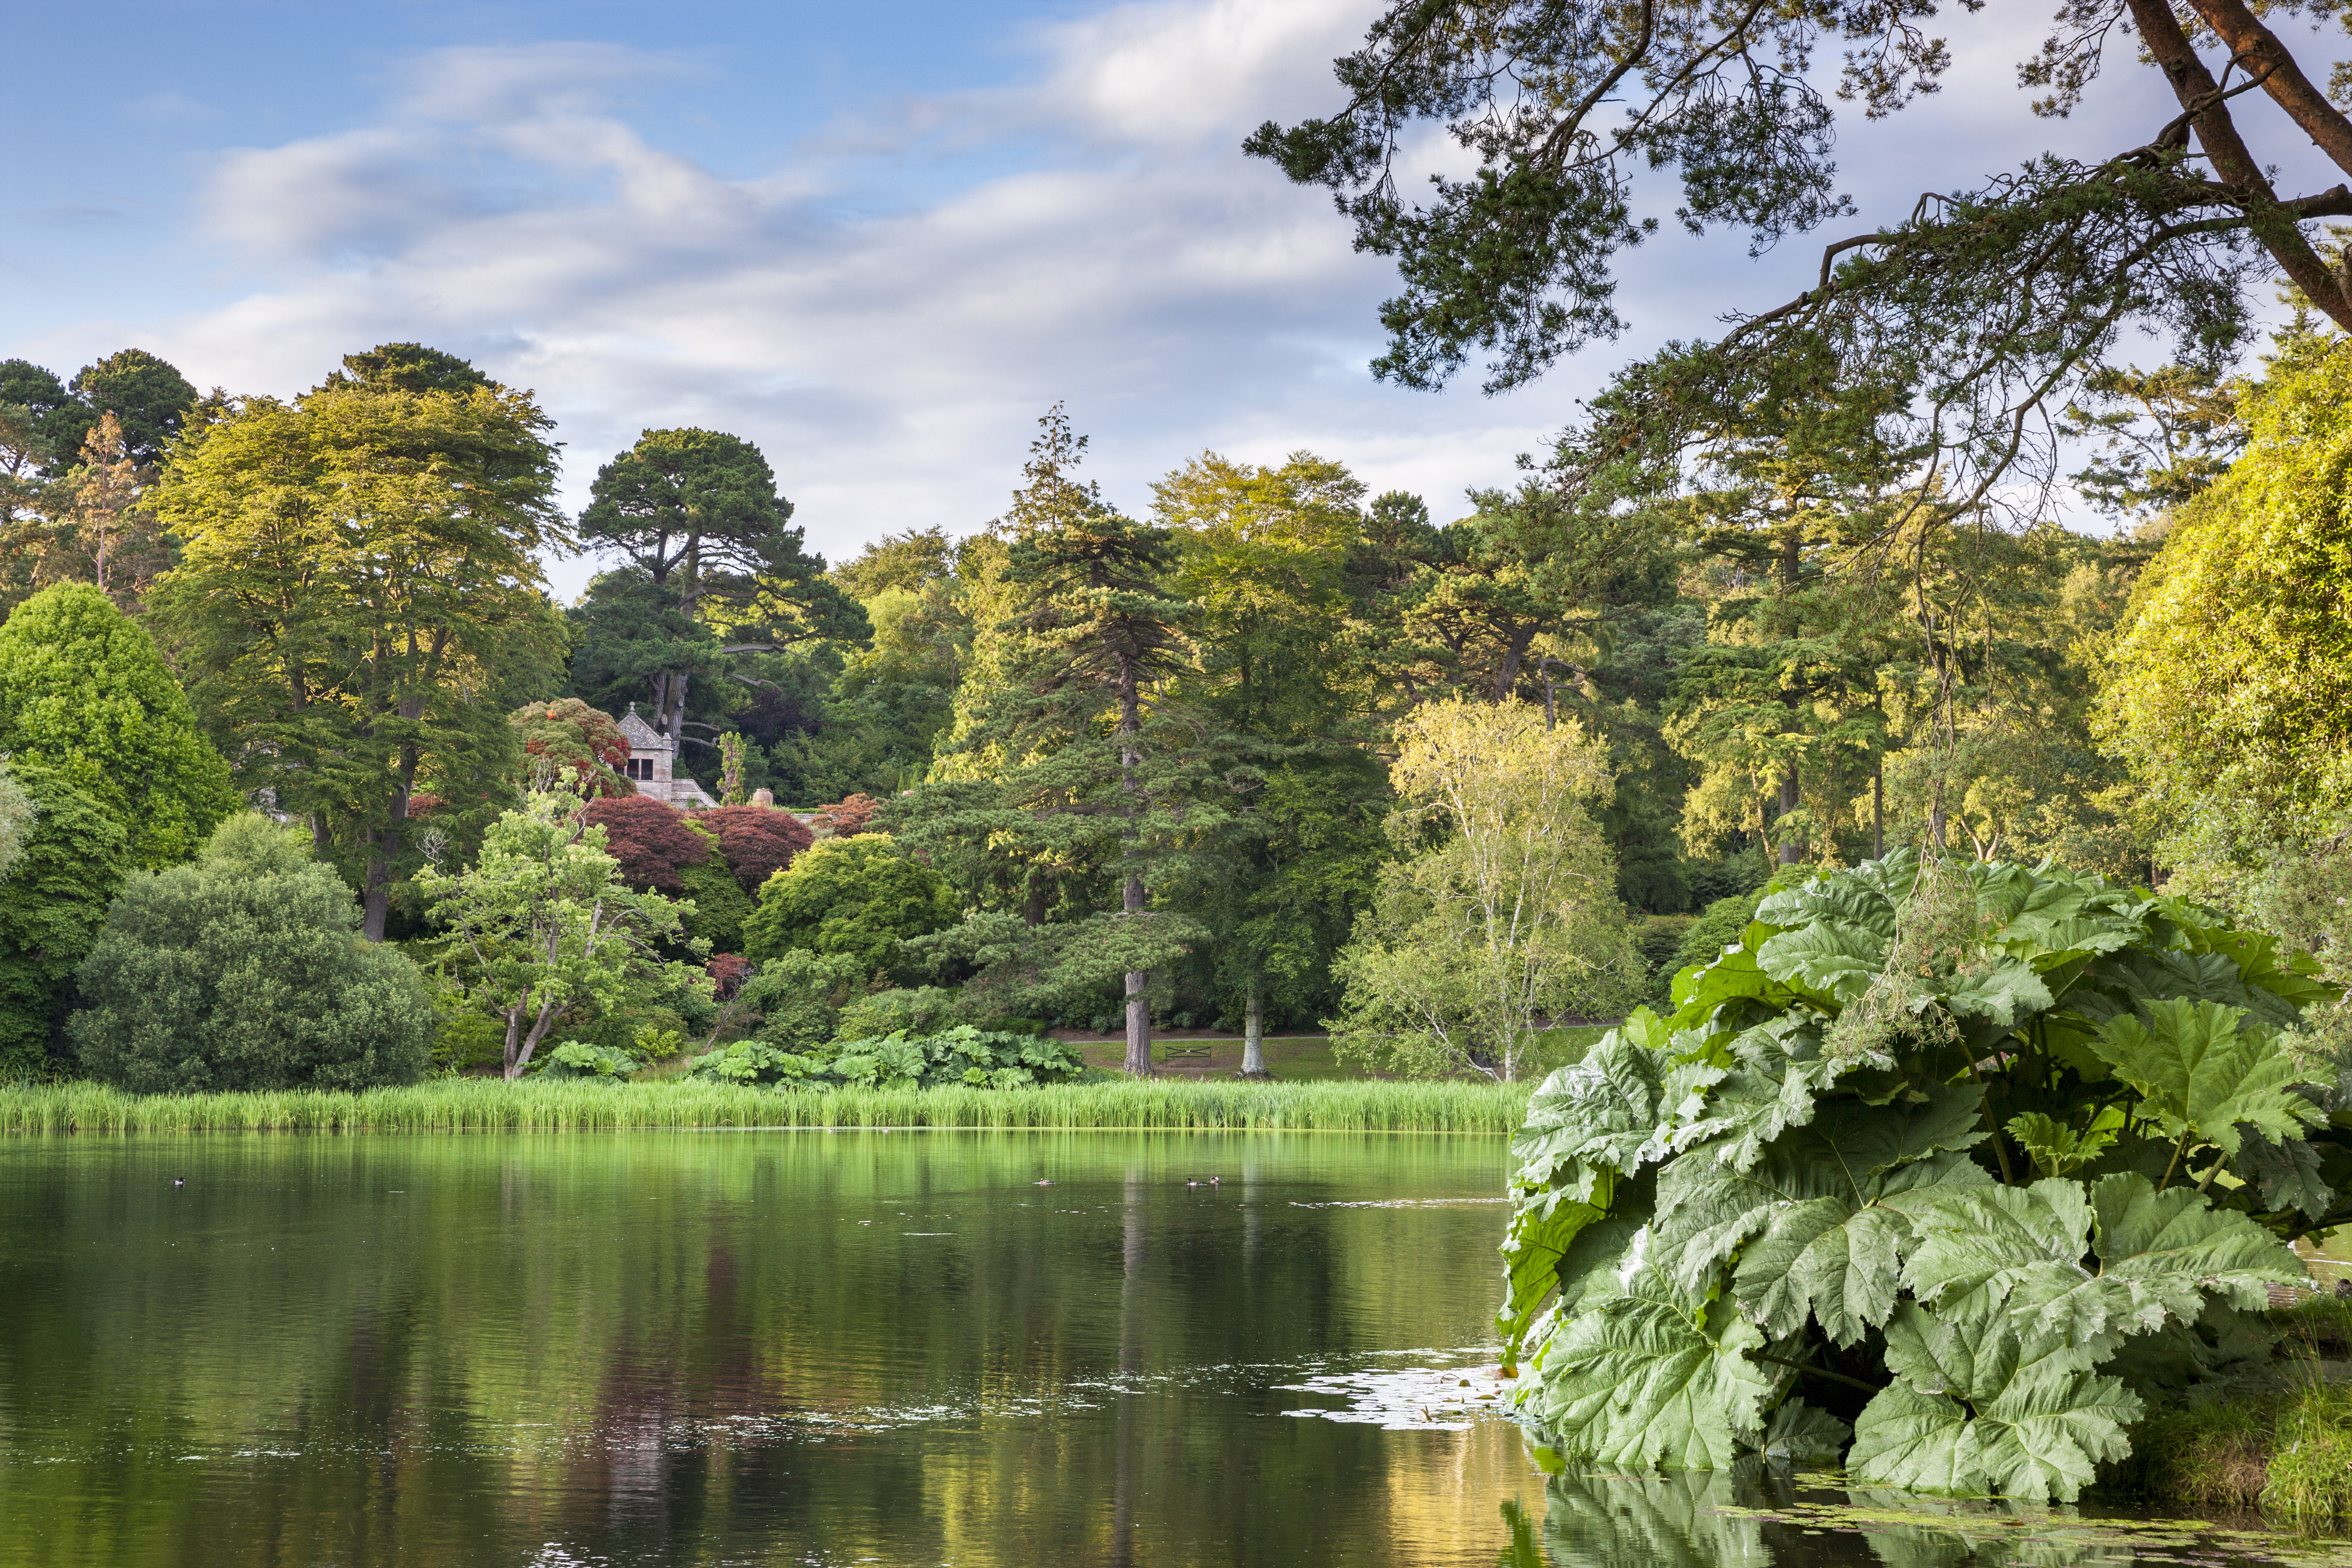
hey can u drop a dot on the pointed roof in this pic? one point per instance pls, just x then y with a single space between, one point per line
641 736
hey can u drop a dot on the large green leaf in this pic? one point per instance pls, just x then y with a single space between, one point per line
2199 1073
1640 1379
1545 1225
1826 958
1622 1106
2058 1149
2026 1255
1818 1222
2006 992
2288 1175
2280 986
1977 1407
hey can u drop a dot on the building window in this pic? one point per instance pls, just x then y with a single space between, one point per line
641 767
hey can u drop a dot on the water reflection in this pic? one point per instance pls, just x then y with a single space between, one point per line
744 1348
1760 1516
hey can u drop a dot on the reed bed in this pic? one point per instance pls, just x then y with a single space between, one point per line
476 1105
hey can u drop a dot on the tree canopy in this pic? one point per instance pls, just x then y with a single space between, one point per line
242 972
2230 685
358 564
84 690
1984 304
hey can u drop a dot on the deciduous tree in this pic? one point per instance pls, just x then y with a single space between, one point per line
361 599
84 690
1509 918
544 920
243 971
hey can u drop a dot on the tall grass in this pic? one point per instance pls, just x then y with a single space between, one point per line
476 1105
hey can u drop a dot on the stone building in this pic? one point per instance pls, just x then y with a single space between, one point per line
651 755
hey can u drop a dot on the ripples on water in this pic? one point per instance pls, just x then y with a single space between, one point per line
807 1348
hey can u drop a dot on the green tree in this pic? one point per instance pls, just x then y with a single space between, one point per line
51 907
861 897
697 514
1994 301
909 562
1084 771
2228 686
543 922
361 601
244 970
150 399
2163 435
1264 559
46 425
84 690
1505 922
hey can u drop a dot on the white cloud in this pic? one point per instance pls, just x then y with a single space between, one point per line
891 355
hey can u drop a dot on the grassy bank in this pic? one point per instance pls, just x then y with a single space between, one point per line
2287 1451
472 1105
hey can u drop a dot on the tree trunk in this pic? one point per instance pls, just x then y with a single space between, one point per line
1790 798
1878 810
1254 1033
674 721
1131 758
1138 1006
382 848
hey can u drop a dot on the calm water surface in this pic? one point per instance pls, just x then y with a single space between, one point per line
827 1349
731 1347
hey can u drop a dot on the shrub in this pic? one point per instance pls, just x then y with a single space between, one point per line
720 904
466 1038
584 743
576 1058
83 690
51 907
650 839
960 1055
924 1010
247 970
1876 1144
849 817
858 898
757 840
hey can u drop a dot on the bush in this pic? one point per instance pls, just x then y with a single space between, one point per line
859 898
576 1058
757 840
720 904
1881 1140
651 840
1656 941
960 1055
924 1010
584 743
51 907
466 1038
798 995
247 970
1704 938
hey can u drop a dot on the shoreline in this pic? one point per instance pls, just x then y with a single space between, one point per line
477 1105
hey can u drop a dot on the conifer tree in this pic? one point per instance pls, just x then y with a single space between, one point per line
1070 768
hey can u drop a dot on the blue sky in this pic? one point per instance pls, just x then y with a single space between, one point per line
876 239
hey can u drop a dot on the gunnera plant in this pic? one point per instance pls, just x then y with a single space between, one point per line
1951 1172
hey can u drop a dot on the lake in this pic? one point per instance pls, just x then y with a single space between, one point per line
749 1347
815 1348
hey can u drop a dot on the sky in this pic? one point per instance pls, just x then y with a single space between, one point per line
878 240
